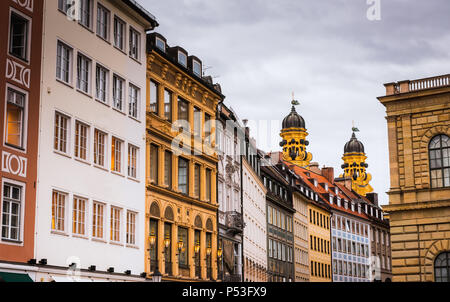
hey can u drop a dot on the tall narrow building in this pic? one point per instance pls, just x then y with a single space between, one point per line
181 229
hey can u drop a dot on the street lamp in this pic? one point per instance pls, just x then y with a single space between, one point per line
152 239
219 253
167 241
180 245
156 277
197 247
208 251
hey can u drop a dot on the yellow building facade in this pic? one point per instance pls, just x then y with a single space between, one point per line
181 203
418 119
319 243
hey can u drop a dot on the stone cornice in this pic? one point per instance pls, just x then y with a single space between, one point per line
416 206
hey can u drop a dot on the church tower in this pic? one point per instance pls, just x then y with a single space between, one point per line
355 167
294 140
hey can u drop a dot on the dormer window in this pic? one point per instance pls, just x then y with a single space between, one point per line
331 199
359 208
336 190
353 207
338 202
315 182
345 204
197 68
161 44
182 59
317 197
326 187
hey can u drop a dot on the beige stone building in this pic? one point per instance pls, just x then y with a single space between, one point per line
418 117
301 236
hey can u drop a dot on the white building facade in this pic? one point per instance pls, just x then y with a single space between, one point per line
255 231
91 166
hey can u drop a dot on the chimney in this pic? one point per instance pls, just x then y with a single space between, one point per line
328 173
276 157
373 197
346 181
314 167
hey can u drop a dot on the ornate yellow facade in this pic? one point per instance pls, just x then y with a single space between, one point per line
181 203
355 167
418 120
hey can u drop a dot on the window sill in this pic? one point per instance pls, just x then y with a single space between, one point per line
136 60
11 242
103 103
70 85
23 60
87 28
119 111
116 243
118 174
80 236
99 240
62 154
88 94
121 50
60 233
132 246
83 161
15 148
134 179
134 118
103 39
100 167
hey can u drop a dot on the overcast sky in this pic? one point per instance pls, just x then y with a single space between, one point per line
327 51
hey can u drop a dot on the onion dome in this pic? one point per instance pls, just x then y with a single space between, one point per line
293 120
354 145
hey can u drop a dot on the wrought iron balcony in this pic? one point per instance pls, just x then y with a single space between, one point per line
234 222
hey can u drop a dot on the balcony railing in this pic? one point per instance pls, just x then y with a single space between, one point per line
234 221
417 85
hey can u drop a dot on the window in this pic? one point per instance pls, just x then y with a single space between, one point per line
161 44
83 73
168 105
197 180
81 140
79 216
183 114
102 83
135 44
58 211
115 224
85 12
99 148
168 169
182 59
197 122
11 212
154 96
439 152
118 92
132 161
102 22
183 172
98 212
64 5
15 118
208 185
133 104
183 254
64 63
131 228
197 68
61 133
18 36
119 33
154 155
208 126
116 155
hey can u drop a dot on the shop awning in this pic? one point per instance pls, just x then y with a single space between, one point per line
14 277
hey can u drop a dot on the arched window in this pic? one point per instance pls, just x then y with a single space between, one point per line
442 267
439 152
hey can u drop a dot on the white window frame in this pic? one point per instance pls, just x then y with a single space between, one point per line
183 55
25 59
119 79
133 227
134 44
65 211
95 224
84 60
121 161
136 113
105 148
136 168
124 33
194 63
77 144
90 10
58 135
101 68
70 50
107 22
159 46
111 218
75 216
24 130
20 241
